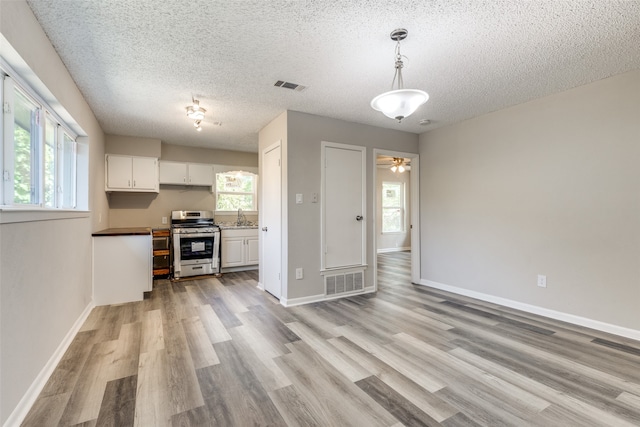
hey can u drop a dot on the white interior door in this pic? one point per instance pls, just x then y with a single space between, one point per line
271 224
344 206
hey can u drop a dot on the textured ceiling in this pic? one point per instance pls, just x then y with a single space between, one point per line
138 62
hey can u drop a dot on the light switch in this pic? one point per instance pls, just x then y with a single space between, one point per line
298 198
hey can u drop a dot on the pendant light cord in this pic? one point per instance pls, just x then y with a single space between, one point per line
399 65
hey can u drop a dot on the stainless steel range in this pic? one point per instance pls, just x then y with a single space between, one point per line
196 243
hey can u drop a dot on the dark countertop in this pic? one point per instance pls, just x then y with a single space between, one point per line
129 231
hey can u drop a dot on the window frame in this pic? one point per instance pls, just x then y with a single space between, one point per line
402 208
11 83
236 169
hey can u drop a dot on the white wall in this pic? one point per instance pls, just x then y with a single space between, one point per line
548 187
305 134
45 265
388 242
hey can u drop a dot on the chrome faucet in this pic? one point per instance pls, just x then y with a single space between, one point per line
241 218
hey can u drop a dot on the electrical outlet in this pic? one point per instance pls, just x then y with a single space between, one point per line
314 197
542 281
299 198
299 273
164 219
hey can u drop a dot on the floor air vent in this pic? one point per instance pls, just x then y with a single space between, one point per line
344 283
289 85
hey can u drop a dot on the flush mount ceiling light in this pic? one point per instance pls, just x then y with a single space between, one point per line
399 103
398 164
195 111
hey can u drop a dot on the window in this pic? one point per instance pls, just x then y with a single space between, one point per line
25 149
38 152
393 207
236 190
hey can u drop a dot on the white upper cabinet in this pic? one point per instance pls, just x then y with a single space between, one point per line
177 173
200 174
173 173
130 173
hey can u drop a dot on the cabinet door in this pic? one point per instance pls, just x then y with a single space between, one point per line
145 173
232 251
200 174
253 250
173 173
119 172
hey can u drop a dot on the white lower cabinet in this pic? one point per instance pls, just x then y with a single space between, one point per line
239 247
122 268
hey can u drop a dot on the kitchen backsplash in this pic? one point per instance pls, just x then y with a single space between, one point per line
233 218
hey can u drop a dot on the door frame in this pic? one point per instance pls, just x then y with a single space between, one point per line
261 199
414 217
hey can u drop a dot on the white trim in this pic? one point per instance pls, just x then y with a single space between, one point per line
322 297
541 311
386 250
240 268
28 399
27 85
9 215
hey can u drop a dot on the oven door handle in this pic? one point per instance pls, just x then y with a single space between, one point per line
196 235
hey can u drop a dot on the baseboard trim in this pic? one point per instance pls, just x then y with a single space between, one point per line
386 250
534 309
238 269
322 297
22 408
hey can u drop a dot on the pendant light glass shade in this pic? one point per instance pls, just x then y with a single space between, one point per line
195 111
400 103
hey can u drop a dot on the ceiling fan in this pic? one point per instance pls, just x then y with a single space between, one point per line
399 164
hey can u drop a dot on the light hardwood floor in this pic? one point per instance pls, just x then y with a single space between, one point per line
221 352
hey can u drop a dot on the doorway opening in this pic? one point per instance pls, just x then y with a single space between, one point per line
396 218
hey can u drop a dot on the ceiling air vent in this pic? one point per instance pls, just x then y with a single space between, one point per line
289 85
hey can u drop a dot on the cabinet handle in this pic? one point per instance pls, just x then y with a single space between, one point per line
129 183
134 182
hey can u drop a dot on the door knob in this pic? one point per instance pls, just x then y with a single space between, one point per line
264 228
359 218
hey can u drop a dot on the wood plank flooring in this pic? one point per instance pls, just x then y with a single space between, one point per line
221 352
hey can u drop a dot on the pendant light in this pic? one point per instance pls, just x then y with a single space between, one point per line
399 103
196 112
